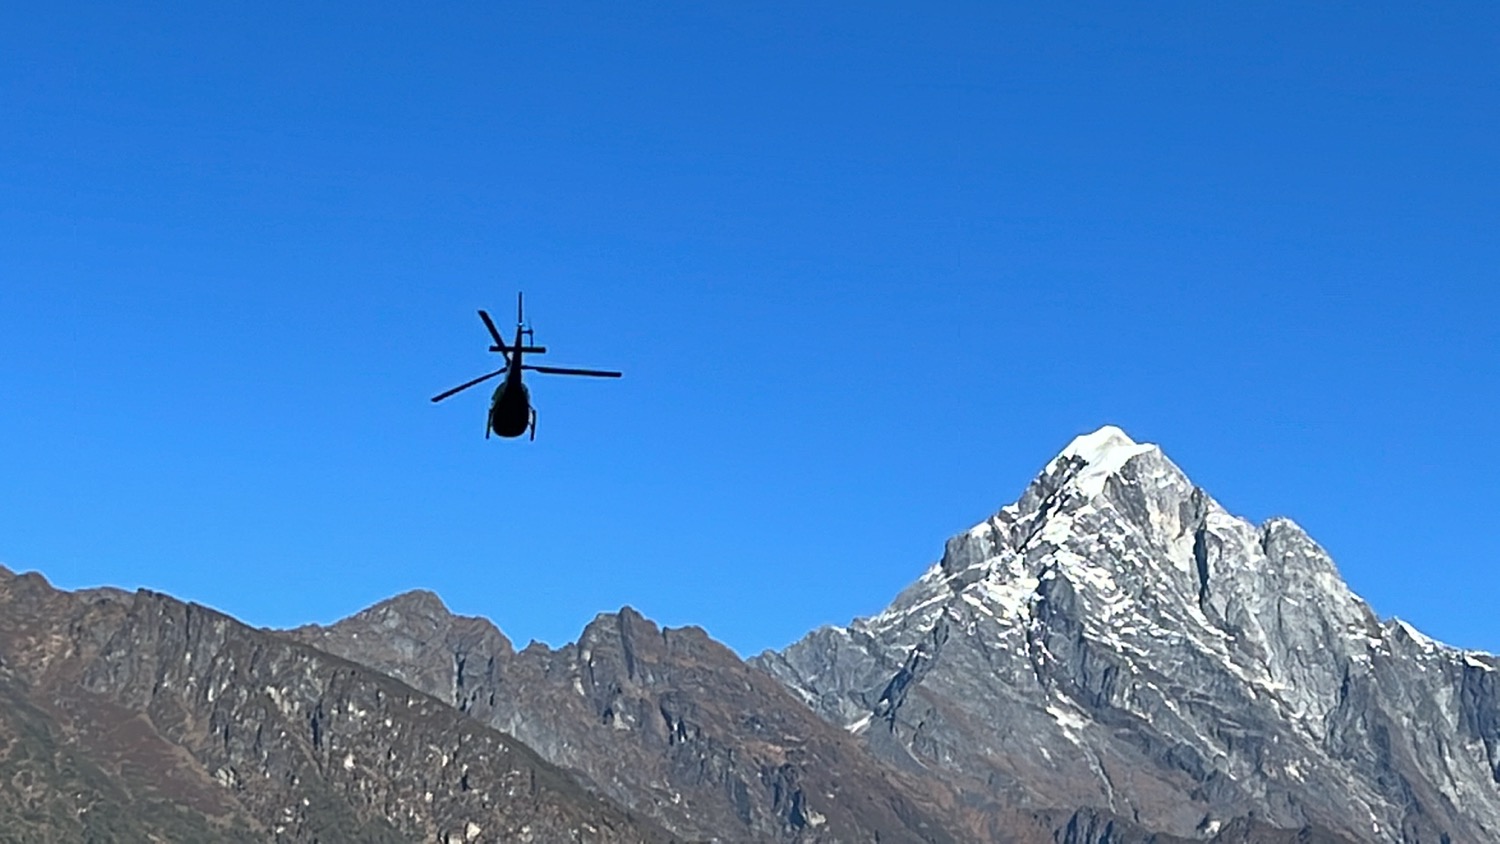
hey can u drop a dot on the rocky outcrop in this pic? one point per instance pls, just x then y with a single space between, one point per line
136 717
675 726
1117 641
665 721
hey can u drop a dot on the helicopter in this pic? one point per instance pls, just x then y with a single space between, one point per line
511 413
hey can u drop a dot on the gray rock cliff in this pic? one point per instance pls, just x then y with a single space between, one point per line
137 717
664 721
1117 640
674 726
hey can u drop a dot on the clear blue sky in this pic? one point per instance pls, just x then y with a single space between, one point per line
867 267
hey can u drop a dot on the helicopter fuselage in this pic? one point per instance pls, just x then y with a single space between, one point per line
510 407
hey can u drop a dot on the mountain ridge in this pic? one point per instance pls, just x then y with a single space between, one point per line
135 716
1116 595
1114 658
665 720
615 741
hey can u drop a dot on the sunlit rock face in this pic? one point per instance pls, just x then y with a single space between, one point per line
667 722
677 728
1116 639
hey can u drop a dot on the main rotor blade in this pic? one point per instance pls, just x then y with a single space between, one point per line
494 332
468 384
563 370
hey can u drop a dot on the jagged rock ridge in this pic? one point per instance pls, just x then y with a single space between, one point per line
665 721
1116 639
136 717
675 726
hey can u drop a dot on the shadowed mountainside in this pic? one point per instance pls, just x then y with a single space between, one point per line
136 717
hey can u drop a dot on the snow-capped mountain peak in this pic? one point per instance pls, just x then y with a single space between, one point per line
1120 624
1102 453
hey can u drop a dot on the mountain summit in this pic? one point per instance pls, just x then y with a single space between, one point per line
1116 639
1112 659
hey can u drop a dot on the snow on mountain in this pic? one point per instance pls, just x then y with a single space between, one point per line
1117 639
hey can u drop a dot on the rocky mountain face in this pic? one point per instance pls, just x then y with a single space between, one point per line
136 717
667 722
676 727
1113 659
1116 640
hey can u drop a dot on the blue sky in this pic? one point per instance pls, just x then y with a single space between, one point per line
867 267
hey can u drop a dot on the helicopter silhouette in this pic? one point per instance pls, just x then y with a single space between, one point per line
511 412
